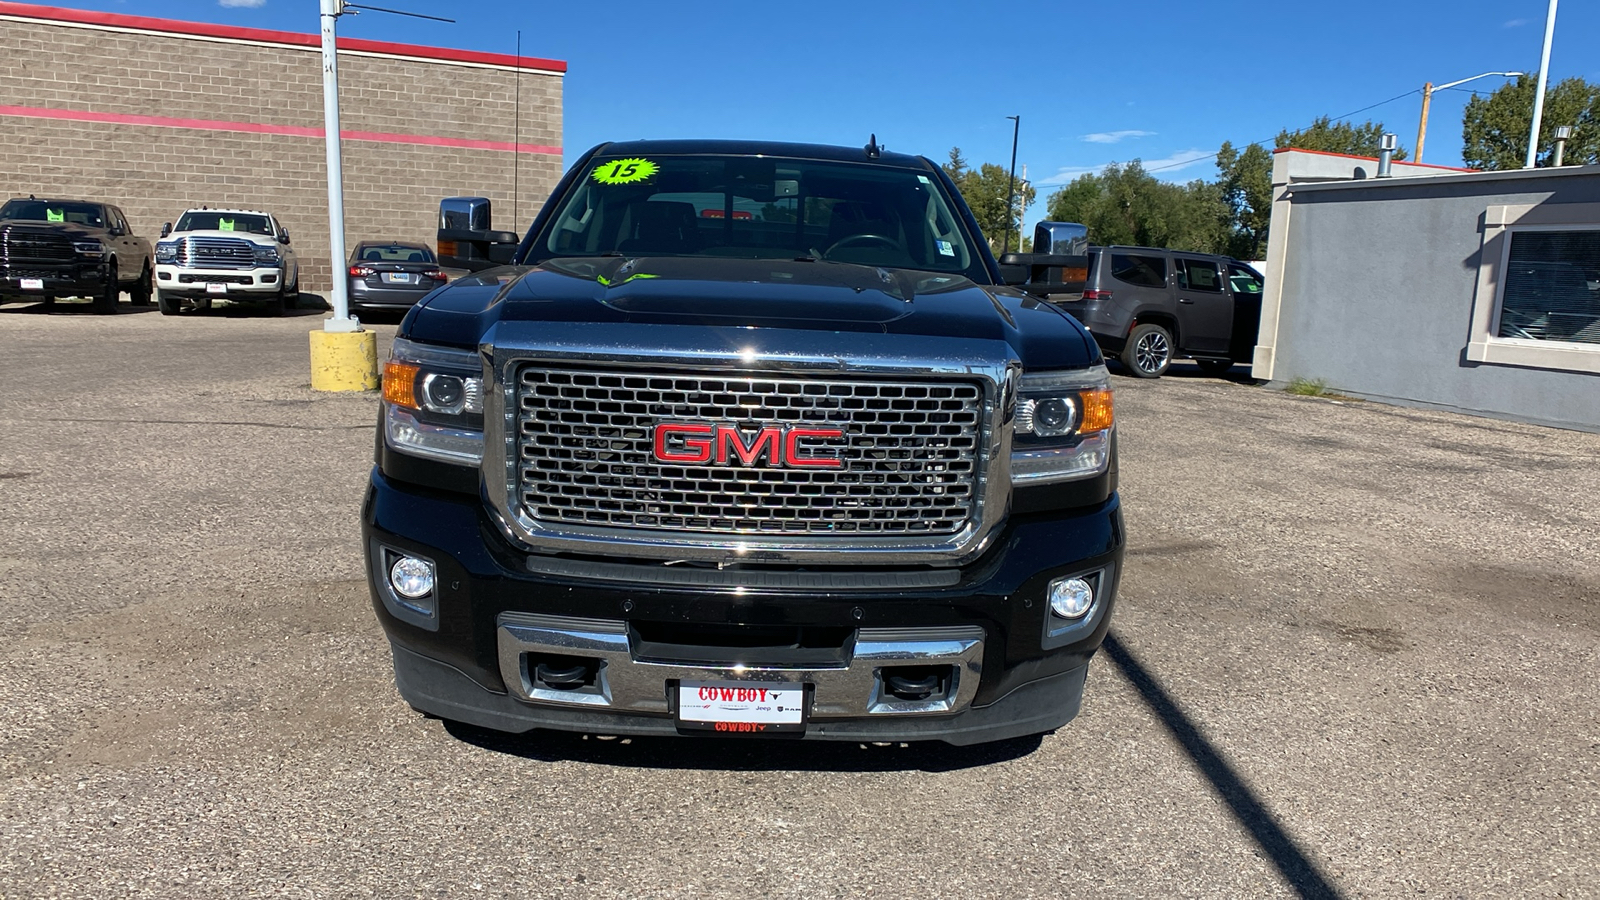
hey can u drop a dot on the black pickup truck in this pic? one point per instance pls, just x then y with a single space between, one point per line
71 248
744 439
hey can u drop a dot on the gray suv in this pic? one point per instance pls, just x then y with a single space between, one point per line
1147 307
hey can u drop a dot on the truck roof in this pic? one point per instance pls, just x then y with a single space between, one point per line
761 148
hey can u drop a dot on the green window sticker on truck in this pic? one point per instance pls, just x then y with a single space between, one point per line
225 224
625 171
55 215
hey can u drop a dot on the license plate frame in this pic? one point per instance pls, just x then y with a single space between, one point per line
741 708
32 284
216 287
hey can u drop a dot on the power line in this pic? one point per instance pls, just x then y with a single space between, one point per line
1190 162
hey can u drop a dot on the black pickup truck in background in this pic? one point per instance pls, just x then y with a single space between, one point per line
743 439
71 248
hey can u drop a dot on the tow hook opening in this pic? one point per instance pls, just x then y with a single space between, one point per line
918 683
562 673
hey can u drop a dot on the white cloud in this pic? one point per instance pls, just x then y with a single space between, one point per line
1515 23
248 4
1163 168
1111 137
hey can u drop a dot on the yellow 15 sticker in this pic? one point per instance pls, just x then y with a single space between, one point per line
625 171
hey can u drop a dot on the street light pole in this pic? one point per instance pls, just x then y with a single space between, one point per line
341 321
1011 188
1427 98
1538 96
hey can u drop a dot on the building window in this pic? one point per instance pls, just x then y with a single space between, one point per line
1552 287
1537 303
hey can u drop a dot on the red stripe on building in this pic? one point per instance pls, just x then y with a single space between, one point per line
378 137
266 36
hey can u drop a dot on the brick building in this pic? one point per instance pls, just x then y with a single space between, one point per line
158 115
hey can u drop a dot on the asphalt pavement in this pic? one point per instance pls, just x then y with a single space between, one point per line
1355 654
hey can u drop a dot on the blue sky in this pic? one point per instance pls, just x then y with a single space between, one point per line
1159 80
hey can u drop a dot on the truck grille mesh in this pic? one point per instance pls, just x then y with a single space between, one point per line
586 454
216 253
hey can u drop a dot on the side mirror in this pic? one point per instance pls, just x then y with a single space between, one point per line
1011 273
465 240
283 238
166 228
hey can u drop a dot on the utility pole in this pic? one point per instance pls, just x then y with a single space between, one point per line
1011 189
1427 98
1538 96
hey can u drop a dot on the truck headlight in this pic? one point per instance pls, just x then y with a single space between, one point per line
167 252
1063 427
91 249
267 256
433 402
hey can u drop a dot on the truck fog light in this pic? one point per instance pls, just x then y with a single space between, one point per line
1071 598
411 578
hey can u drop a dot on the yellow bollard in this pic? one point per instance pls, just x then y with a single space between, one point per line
344 361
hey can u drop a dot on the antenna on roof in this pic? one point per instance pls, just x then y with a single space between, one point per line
872 148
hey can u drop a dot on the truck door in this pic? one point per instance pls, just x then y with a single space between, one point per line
1246 285
1205 306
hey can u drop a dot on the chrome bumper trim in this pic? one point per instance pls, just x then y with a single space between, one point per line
629 685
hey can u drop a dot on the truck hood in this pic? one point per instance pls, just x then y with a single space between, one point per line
70 229
265 240
787 294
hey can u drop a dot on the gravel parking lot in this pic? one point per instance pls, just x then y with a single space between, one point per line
1355 655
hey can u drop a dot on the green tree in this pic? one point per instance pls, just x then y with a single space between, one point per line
1124 204
1494 129
985 189
1246 188
1329 136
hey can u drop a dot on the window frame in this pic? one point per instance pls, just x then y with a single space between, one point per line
1484 343
1167 268
1218 269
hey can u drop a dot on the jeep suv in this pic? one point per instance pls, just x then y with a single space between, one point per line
1147 307
229 254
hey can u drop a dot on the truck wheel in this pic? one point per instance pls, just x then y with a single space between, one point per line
168 304
1149 351
140 294
276 305
1215 367
106 303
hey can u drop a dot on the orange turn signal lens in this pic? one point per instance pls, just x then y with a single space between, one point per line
447 248
1097 413
400 384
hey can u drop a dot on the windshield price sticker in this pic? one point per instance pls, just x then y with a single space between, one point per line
625 171
741 707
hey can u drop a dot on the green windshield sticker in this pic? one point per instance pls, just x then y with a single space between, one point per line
625 171
55 215
608 283
225 224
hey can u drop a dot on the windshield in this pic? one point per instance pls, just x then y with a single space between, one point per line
759 208
89 214
209 220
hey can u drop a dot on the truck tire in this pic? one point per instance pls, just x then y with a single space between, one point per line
139 294
106 303
276 305
168 304
1148 352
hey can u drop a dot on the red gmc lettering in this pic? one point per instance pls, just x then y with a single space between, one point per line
701 443
696 450
766 442
791 449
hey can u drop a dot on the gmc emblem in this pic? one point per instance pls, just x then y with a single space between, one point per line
707 443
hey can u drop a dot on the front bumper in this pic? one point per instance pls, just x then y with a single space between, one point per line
238 284
1010 667
73 280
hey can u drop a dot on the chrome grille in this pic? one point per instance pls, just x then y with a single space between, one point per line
217 253
910 454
